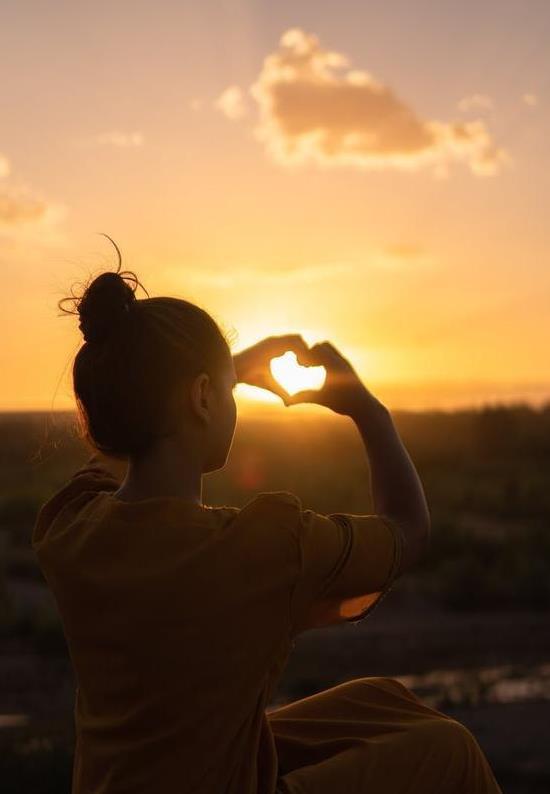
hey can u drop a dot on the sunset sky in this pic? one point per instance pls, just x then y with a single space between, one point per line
376 174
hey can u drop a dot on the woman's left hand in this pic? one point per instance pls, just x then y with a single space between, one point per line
253 364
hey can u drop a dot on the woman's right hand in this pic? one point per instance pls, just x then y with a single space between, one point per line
252 365
343 391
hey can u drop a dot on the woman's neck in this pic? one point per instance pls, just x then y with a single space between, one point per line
169 469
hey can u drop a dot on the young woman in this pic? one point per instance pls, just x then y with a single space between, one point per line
180 616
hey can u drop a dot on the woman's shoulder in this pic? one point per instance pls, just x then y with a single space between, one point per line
95 475
271 505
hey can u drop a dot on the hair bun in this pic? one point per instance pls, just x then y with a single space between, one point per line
106 305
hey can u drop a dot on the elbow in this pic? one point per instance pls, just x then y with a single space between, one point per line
423 532
416 543
426 532
425 539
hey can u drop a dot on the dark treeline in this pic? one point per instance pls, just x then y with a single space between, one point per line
489 433
485 472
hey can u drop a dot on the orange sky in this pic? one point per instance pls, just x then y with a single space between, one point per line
357 177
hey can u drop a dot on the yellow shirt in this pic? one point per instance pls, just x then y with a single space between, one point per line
179 619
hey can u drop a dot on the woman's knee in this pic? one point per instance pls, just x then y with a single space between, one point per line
376 679
466 760
385 682
451 740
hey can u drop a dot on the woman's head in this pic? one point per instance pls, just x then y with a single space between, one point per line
150 368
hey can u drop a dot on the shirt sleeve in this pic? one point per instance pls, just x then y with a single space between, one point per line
98 473
347 564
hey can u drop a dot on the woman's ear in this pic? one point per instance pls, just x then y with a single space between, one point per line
201 396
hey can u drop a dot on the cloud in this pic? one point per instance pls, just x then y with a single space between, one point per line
231 103
247 276
196 103
19 207
15 210
313 108
403 257
4 166
530 99
121 139
404 250
27 219
396 256
476 102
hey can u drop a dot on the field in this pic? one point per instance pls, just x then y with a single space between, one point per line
467 630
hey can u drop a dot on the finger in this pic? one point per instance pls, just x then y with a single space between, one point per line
277 345
320 353
329 347
331 350
274 386
305 396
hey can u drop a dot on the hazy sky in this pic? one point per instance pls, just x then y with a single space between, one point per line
376 174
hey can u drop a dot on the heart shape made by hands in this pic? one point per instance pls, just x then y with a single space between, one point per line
293 377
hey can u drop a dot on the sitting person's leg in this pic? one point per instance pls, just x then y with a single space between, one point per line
375 735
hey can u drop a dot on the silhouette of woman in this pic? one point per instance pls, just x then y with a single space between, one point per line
179 616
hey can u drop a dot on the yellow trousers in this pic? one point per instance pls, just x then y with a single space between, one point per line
375 736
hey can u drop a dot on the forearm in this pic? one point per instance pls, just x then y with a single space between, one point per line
237 362
397 491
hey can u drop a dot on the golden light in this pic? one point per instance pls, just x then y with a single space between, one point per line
293 377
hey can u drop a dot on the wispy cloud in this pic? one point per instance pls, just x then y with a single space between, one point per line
476 102
120 139
231 103
196 103
403 256
396 256
20 209
28 219
224 278
530 99
25 215
314 108
4 166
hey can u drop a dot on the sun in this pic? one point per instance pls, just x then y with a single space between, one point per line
295 378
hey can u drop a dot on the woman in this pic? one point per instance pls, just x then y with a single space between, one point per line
179 616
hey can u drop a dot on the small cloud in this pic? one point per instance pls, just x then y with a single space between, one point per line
530 99
403 256
196 104
404 250
231 103
476 102
19 206
4 166
26 218
30 219
20 209
314 108
121 139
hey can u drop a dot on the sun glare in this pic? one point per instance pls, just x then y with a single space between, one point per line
295 378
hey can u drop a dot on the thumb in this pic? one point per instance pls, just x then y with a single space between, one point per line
269 382
305 396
